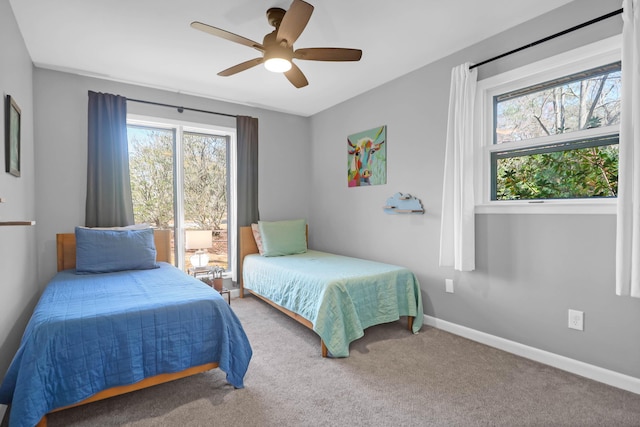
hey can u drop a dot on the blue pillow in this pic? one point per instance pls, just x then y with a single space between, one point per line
283 237
107 251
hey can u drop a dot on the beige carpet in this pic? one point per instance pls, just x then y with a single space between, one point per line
392 378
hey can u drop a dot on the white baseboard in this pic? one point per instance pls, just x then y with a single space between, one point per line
586 370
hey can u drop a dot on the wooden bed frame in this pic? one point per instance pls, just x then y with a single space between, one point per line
248 246
66 248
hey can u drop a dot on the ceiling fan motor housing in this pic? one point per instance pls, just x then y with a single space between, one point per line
273 49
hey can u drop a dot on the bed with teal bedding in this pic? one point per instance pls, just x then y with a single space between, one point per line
336 296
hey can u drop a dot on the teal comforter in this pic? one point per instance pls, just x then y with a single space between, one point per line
341 296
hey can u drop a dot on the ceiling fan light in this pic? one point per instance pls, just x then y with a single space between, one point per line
277 65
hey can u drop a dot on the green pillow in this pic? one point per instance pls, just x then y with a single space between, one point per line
283 237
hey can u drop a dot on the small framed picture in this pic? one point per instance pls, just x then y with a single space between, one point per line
12 136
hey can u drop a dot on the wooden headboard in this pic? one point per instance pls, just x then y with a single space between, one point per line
248 246
66 248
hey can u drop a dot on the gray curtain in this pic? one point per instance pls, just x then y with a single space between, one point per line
109 201
247 182
247 128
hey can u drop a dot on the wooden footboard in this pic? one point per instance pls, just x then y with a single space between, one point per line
306 322
294 316
147 382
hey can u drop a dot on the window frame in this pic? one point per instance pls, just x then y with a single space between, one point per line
584 58
179 127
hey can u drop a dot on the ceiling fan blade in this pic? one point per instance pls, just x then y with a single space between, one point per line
226 35
294 21
295 76
241 67
328 54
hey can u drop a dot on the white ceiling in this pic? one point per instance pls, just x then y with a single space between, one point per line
150 42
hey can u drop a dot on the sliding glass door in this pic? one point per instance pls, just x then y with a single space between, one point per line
180 180
205 193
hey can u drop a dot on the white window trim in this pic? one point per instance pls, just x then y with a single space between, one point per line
599 53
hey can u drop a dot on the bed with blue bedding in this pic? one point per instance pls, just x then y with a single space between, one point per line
336 296
96 331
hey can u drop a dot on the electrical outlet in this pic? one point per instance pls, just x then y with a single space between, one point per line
448 285
576 320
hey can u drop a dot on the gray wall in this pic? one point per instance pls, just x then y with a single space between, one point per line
61 154
18 273
27 255
530 268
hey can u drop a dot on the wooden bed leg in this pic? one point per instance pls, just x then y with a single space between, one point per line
43 422
410 321
325 352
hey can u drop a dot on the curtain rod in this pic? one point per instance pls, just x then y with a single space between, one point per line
553 36
180 108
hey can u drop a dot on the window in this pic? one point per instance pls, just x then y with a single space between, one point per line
180 180
552 137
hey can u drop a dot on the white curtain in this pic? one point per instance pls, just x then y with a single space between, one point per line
457 228
628 226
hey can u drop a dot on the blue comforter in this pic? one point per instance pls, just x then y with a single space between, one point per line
92 332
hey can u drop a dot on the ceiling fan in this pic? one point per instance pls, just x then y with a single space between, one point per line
277 46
